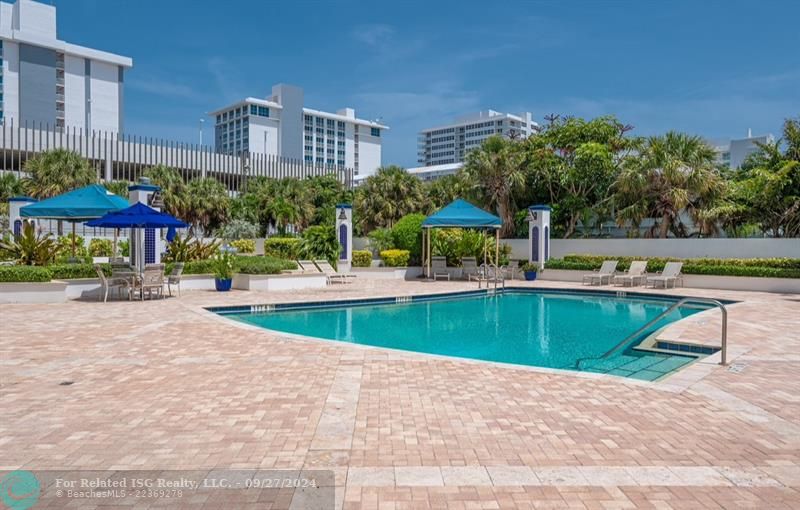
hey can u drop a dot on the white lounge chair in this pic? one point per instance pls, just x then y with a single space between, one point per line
333 276
635 275
605 273
439 268
511 269
306 266
671 273
470 269
152 281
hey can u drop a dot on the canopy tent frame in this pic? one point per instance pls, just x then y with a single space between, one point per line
460 214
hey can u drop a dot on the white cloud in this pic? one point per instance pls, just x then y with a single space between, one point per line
374 34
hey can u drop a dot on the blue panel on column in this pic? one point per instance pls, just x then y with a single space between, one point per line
546 243
535 244
343 241
17 228
149 246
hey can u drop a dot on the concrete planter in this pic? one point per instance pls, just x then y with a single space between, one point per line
388 273
266 282
746 283
44 292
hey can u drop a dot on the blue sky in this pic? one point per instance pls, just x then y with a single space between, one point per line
713 68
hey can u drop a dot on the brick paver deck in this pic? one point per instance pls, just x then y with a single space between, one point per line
191 390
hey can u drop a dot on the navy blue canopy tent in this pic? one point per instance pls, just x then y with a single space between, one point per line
138 215
460 214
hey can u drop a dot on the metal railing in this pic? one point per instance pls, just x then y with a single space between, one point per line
680 303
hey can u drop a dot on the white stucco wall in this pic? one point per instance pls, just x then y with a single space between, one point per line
105 96
369 152
74 91
11 80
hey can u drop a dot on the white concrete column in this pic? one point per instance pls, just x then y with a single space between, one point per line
344 234
538 234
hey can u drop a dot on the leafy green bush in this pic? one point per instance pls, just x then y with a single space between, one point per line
244 245
30 249
362 258
193 267
100 247
65 246
124 248
25 274
238 229
407 235
456 243
319 242
395 258
73 271
262 265
222 265
380 239
773 268
184 249
282 247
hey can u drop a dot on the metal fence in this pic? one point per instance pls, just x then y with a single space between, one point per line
125 157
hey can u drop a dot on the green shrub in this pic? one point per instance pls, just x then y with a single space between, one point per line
25 274
395 258
29 248
319 242
65 246
73 271
362 258
238 229
124 248
407 235
380 239
457 243
244 245
262 265
282 247
194 267
100 247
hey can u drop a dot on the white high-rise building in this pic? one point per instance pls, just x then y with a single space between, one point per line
44 80
733 153
449 144
281 126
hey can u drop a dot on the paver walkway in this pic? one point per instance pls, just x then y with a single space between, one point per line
192 390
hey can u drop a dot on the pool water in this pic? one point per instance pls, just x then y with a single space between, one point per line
567 331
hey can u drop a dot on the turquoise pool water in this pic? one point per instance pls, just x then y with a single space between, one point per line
526 328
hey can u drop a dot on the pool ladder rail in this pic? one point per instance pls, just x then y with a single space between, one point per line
491 273
679 304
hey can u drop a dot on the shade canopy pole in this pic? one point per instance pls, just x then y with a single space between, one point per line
73 239
497 247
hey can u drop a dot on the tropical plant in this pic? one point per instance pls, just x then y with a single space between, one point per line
387 196
671 174
319 242
362 258
124 248
173 191
494 171
207 204
238 229
528 267
57 171
30 249
282 247
577 161
380 239
447 188
10 186
72 245
395 258
100 247
326 192
188 248
222 265
119 188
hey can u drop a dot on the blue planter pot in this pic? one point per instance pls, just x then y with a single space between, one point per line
530 275
223 285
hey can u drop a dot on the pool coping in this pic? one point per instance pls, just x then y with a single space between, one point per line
661 383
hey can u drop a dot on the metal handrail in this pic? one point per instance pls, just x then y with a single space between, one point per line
680 303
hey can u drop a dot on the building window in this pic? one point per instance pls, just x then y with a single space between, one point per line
308 119
375 132
309 159
340 125
263 111
330 123
320 121
253 109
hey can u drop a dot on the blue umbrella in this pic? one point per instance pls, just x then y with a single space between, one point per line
138 215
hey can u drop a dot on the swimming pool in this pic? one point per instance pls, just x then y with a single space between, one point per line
536 328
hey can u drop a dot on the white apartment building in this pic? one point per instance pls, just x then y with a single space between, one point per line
44 80
434 172
449 144
281 126
733 153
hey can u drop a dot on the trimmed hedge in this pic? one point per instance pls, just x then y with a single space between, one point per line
244 245
759 268
282 247
74 271
100 247
362 258
25 274
395 258
262 265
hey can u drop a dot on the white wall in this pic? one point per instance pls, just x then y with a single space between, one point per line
11 81
260 125
74 91
105 96
369 152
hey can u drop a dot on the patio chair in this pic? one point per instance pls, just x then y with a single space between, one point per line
174 278
635 275
439 268
111 283
671 273
470 269
306 266
333 276
605 273
511 269
152 280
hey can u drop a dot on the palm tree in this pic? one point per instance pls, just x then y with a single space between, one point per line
207 204
387 196
283 213
495 170
10 186
174 192
445 189
119 188
670 175
55 172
